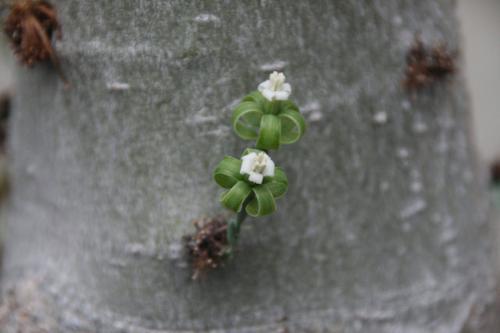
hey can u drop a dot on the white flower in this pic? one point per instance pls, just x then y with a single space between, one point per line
275 88
257 166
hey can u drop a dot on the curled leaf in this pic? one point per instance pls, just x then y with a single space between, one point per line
270 123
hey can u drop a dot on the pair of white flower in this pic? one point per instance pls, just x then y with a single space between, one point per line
259 165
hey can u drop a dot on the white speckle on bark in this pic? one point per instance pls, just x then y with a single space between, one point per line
312 111
412 208
315 116
206 18
136 249
403 153
310 107
277 65
419 127
200 119
175 250
118 86
380 117
221 131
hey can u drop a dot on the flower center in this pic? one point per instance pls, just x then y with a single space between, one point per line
277 80
259 163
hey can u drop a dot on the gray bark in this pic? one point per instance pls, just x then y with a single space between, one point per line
385 225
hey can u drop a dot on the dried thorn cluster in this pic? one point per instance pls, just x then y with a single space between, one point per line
425 67
30 26
5 100
25 309
495 172
4 117
209 246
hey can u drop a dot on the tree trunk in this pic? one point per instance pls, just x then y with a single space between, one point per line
385 227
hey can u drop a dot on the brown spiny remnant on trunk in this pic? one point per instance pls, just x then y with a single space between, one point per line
25 309
208 247
30 26
426 66
495 171
5 100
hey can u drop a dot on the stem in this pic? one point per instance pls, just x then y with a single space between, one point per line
274 107
234 225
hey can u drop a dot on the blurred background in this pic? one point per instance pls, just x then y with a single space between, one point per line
480 20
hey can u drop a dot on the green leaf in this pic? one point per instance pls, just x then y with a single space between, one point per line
278 184
256 96
234 198
269 133
246 119
227 172
293 126
263 202
289 105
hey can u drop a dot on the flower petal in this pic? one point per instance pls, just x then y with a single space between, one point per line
269 170
246 165
281 95
287 87
269 94
256 178
266 85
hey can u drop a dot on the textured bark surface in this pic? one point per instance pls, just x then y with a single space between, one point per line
385 226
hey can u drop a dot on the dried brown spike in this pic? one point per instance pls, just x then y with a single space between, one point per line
442 64
425 67
5 101
30 26
209 245
495 171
